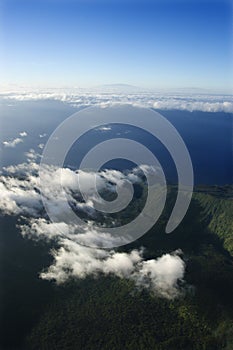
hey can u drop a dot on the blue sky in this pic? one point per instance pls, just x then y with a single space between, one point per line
161 44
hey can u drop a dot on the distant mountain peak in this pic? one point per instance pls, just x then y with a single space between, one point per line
119 87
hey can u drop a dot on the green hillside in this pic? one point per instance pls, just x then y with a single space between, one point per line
111 313
218 213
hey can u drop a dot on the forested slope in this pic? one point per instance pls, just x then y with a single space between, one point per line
111 313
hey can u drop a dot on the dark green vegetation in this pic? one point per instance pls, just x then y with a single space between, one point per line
110 313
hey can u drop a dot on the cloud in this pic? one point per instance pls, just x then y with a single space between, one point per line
32 155
20 186
23 134
16 141
20 193
18 198
161 275
41 145
73 257
73 260
189 105
21 189
12 143
105 128
21 170
194 101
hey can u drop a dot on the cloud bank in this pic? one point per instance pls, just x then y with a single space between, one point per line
205 102
20 195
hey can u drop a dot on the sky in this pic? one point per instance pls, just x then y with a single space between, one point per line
154 44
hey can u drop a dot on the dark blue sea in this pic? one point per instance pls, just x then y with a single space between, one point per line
208 137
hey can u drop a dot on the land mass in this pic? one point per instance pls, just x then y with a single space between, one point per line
112 313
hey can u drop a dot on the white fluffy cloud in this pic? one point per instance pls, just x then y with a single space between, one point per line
191 105
20 188
160 275
20 195
23 134
159 100
32 155
12 143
